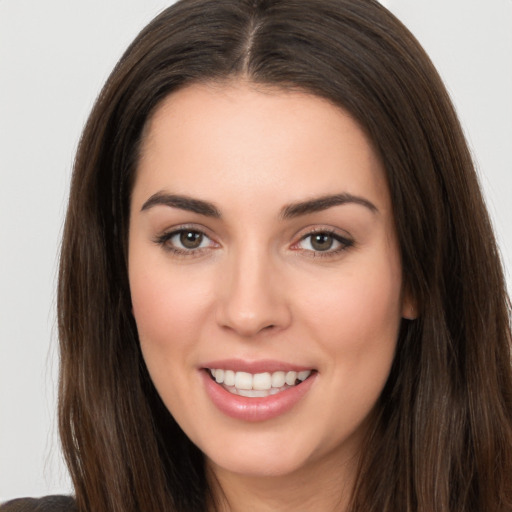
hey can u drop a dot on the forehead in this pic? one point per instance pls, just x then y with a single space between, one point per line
245 141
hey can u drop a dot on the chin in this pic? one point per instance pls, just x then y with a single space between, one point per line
261 465
260 455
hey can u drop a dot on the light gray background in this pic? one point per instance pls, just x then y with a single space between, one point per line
54 57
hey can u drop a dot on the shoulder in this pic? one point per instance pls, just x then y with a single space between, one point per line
46 504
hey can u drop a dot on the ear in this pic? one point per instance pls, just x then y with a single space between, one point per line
409 306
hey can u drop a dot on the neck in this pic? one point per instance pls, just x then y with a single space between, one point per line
321 486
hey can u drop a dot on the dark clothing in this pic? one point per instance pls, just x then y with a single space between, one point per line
46 504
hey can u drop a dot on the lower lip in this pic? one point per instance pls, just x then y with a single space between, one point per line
255 409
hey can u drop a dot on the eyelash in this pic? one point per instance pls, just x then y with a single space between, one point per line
344 243
165 238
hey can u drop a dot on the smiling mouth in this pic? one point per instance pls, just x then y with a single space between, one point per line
257 385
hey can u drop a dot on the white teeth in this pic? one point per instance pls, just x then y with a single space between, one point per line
303 375
243 380
278 379
262 381
291 377
219 375
259 384
252 393
229 378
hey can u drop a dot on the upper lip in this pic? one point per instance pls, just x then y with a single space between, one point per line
260 366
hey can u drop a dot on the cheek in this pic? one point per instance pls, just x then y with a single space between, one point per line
170 310
169 306
359 311
357 323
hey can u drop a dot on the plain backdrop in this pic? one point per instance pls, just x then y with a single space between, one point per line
54 57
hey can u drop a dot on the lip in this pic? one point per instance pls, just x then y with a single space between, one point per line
255 409
265 365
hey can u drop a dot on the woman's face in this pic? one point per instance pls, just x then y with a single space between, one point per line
265 275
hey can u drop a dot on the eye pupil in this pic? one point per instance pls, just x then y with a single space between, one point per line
322 241
191 239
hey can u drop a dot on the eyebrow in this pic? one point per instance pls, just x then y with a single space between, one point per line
183 203
323 203
288 212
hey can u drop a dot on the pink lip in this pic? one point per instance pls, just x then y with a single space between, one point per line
239 365
254 409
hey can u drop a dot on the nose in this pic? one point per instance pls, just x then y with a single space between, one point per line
252 296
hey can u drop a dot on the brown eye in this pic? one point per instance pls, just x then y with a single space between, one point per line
185 241
322 241
191 239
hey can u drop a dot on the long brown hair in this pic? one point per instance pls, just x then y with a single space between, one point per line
442 433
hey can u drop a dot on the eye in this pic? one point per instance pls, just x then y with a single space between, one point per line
324 242
188 239
185 241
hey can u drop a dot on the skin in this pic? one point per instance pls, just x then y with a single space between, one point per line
257 289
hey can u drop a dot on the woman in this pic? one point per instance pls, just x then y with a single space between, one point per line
279 286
